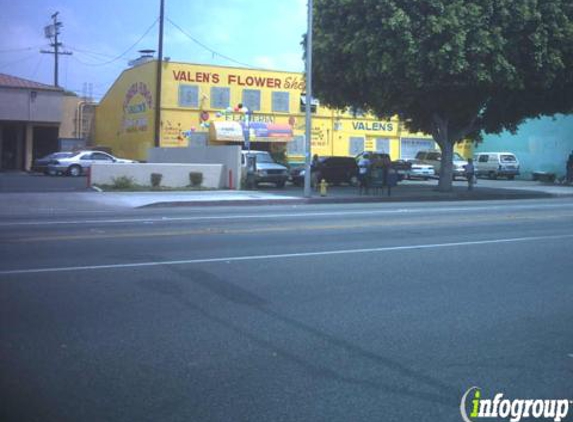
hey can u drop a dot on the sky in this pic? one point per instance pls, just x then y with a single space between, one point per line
104 35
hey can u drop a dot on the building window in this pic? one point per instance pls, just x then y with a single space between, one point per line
355 145
280 102
220 97
252 99
188 96
313 103
383 145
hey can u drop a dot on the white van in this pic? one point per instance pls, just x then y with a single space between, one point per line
496 164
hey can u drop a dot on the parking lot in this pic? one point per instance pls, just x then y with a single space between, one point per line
38 182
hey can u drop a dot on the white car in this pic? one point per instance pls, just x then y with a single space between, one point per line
420 171
77 164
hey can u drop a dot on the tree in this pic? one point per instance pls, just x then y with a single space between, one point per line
450 68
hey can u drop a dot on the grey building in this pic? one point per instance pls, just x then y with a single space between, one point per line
30 117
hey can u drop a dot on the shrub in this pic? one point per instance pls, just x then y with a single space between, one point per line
156 179
122 183
195 179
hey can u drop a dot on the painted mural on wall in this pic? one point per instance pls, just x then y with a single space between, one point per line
137 105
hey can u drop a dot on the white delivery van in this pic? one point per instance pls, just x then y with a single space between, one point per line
496 164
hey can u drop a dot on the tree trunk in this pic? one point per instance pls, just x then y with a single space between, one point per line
446 167
442 137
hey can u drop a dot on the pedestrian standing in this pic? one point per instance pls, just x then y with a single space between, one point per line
569 176
315 171
363 174
470 173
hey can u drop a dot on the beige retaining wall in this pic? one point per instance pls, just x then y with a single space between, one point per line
174 175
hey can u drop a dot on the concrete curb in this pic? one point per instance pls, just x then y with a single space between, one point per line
453 196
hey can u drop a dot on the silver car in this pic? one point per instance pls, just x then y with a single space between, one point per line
77 164
434 158
266 170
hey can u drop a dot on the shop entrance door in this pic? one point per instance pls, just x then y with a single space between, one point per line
9 147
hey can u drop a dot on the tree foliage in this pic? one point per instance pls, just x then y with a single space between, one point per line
450 68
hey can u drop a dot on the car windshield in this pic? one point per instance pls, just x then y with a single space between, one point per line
508 159
264 158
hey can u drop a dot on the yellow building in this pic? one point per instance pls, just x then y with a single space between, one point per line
202 102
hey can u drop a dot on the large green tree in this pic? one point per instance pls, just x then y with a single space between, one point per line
450 68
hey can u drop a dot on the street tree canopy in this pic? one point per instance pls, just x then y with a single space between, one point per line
450 68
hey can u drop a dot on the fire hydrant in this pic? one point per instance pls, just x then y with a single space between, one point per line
323 187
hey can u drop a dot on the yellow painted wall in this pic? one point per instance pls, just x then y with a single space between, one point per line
125 116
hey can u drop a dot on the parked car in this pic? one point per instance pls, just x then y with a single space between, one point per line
265 170
334 170
402 167
434 158
420 171
495 164
79 162
41 164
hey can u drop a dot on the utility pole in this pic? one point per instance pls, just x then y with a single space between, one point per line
157 137
308 132
52 31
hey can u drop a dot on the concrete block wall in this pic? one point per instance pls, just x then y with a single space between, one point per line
228 155
174 175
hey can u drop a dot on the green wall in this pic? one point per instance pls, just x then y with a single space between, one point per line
539 144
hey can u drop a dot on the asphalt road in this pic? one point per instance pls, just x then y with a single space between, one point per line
378 312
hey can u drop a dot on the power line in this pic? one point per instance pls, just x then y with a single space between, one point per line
213 52
88 64
40 60
17 50
126 51
88 52
2 66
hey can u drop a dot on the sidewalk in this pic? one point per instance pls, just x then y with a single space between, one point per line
408 191
404 192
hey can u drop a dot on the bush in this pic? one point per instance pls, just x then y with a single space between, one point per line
156 180
195 179
122 183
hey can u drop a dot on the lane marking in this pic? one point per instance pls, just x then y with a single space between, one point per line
287 215
98 234
281 256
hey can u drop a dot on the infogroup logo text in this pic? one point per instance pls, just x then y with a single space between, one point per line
474 407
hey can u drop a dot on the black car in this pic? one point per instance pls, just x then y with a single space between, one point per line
334 170
41 164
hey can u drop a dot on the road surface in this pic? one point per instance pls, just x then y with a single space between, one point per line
372 312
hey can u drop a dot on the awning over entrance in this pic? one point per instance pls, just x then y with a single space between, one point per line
226 131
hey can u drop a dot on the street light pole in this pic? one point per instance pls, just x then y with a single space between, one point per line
308 132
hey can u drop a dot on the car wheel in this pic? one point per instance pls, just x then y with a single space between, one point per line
353 181
75 170
510 177
280 184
